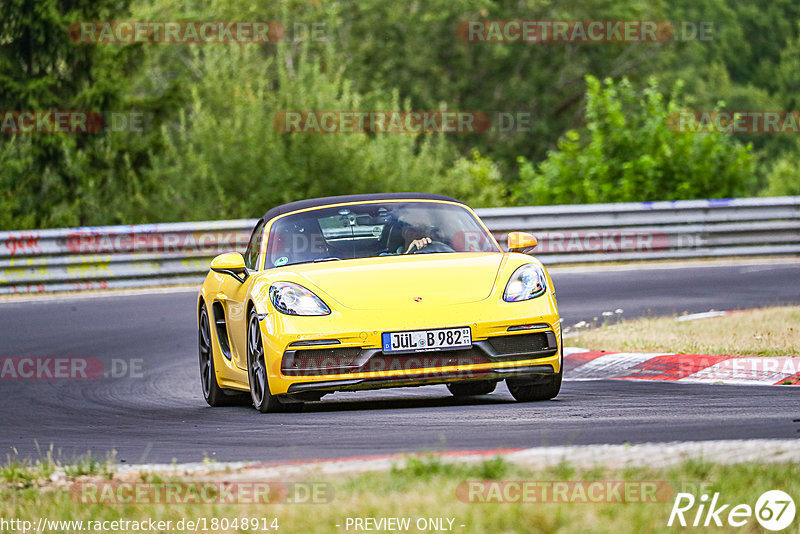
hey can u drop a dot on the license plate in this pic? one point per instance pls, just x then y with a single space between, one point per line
420 340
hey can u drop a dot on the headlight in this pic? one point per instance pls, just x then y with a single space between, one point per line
294 299
527 282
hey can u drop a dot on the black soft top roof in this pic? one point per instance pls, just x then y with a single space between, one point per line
325 201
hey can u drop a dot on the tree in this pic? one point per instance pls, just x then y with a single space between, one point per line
48 177
629 152
229 158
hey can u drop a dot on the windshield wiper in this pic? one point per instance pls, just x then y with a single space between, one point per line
332 258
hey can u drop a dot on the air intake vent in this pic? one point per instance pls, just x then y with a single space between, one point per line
222 329
521 343
320 361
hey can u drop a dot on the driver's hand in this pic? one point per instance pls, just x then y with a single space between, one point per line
419 243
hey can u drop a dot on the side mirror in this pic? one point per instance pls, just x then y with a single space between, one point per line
231 263
519 241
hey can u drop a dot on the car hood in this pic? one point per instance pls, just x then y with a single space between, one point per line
378 283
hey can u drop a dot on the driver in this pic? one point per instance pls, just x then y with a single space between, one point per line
416 238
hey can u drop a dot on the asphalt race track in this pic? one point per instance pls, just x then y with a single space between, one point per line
159 415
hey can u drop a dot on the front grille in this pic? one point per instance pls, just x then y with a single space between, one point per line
320 361
342 361
346 360
423 360
520 343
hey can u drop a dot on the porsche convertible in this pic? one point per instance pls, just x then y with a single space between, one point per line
376 291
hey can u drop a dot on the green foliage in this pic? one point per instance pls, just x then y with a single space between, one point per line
380 494
631 153
88 465
477 180
24 473
226 157
66 179
783 177
416 49
427 468
209 149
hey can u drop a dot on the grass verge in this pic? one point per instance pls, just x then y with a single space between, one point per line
429 488
26 473
763 332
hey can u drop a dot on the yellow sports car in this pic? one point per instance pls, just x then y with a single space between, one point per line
376 291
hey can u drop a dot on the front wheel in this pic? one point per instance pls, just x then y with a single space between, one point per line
526 391
263 400
212 393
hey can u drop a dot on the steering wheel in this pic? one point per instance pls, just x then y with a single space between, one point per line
433 247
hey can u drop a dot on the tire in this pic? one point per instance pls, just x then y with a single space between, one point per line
472 389
263 400
526 391
212 393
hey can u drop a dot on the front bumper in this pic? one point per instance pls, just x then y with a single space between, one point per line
532 355
311 390
495 353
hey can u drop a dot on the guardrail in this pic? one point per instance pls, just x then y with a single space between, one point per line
73 259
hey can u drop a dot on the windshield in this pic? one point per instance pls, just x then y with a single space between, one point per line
375 229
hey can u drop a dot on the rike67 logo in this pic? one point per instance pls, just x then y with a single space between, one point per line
774 511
